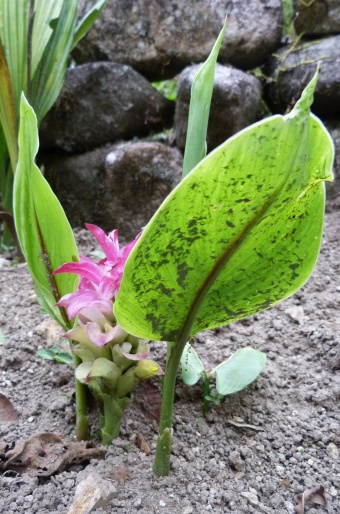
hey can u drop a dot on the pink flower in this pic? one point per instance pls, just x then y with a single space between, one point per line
98 287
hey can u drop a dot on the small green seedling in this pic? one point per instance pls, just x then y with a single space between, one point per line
60 353
232 375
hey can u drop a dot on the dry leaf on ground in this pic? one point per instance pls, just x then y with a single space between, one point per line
8 414
46 454
314 495
147 396
142 444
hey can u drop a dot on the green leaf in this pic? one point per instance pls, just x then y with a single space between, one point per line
49 76
201 93
192 367
87 21
14 23
57 353
242 368
8 119
45 12
239 234
43 230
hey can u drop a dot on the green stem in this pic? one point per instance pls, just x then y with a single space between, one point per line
113 410
206 392
163 451
82 418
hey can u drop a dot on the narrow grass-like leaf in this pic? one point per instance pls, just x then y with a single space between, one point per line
201 93
240 370
192 367
8 118
48 79
44 13
87 21
14 23
239 234
43 230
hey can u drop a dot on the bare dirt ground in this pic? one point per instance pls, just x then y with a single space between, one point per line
252 454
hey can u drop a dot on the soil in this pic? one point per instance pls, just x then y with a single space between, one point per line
252 454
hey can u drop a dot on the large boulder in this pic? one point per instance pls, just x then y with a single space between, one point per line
161 37
321 17
100 103
292 68
236 103
120 186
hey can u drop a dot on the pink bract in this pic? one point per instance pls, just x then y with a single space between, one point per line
99 285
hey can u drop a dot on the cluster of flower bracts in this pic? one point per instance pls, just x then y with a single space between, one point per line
113 361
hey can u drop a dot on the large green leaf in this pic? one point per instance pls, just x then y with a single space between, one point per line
201 93
240 233
44 233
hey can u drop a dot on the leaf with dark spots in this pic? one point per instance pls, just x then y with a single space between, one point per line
232 270
314 495
8 414
46 454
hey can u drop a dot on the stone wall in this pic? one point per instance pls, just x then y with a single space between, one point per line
112 145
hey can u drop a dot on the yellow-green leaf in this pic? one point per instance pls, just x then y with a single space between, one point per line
240 233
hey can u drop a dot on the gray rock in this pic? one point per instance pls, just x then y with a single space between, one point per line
321 17
292 69
92 493
333 188
161 37
100 103
236 103
120 186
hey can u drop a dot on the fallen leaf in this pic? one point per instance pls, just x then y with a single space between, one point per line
142 444
148 397
8 414
314 495
45 454
243 425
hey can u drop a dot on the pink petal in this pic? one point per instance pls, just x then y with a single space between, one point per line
108 243
124 253
92 314
88 269
135 356
83 299
100 338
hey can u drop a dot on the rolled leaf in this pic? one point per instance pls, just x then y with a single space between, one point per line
239 234
44 232
201 93
240 370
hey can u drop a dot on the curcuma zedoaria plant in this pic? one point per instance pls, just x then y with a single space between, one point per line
113 361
